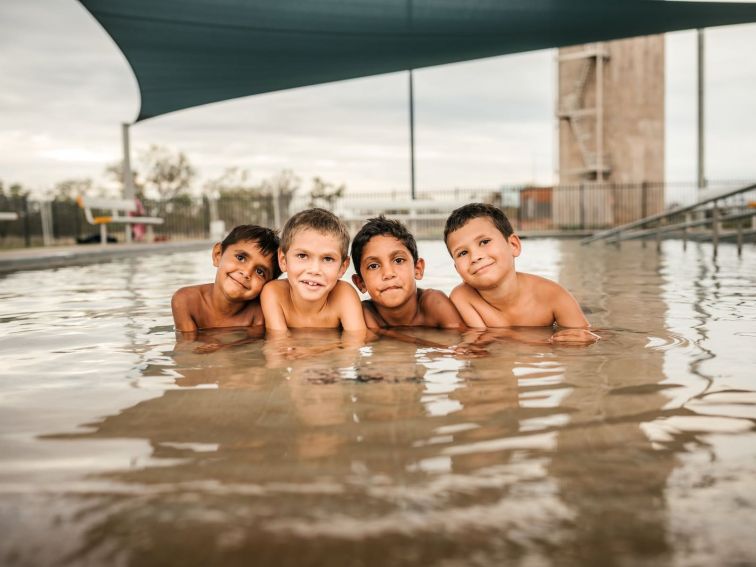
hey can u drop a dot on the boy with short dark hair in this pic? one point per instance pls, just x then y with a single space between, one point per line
314 255
483 246
387 267
246 261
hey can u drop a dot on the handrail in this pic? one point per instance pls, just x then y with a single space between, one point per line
659 216
684 225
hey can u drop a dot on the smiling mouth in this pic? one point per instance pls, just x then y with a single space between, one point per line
311 284
237 282
482 268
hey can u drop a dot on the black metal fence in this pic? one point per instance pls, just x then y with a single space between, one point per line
583 207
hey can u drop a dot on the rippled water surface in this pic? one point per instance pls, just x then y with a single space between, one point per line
120 446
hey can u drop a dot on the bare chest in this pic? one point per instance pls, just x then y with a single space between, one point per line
249 316
523 314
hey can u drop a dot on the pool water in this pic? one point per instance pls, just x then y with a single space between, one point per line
121 446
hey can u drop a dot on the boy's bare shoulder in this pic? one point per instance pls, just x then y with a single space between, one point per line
275 288
432 299
189 295
543 288
464 292
438 309
344 291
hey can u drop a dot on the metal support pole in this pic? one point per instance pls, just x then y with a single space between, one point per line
600 111
715 227
412 134
128 180
740 238
685 232
701 174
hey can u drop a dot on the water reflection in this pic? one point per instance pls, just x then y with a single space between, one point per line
398 453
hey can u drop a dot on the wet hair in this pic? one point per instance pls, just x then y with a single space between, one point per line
320 220
381 226
464 214
266 239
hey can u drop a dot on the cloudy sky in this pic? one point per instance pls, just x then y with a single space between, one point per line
66 88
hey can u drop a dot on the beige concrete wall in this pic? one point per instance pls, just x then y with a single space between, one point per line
633 133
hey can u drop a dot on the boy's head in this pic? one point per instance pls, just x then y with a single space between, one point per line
314 252
386 261
246 260
482 244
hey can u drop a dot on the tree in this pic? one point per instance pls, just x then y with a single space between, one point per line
166 173
70 189
325 194
114 171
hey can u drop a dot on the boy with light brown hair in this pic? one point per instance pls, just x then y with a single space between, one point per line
314 255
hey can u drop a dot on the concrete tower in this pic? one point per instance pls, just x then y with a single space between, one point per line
610 113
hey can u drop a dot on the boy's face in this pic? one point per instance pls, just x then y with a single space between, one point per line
242 271
313 264
482 256
388 271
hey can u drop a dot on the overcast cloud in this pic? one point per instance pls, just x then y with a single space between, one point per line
66 89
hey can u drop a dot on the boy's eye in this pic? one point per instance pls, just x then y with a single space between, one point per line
485 241
372 266
240 257
461 253
329 259
260 272
399 260
301 255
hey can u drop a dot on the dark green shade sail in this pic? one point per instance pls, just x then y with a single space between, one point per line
186 53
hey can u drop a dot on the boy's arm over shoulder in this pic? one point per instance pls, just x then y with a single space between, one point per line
182 304
270 300
440 310
349 307
462 297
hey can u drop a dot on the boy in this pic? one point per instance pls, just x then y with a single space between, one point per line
483 246
246 261
387 266
313 253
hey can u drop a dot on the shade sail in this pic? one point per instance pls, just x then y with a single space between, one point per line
186 53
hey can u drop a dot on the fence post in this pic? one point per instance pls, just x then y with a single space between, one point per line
581 200
27 227
644 199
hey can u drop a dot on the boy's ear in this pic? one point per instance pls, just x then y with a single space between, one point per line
419 269
217 253
281 260
344 267
359 282
514 242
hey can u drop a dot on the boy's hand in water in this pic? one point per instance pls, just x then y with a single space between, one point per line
576 337
468 351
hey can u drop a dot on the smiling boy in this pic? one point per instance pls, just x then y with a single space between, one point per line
314 255
387 267
246 261
484 247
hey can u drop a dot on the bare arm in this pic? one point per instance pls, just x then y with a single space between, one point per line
460 297
567 312
350 308
181 303
270 301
